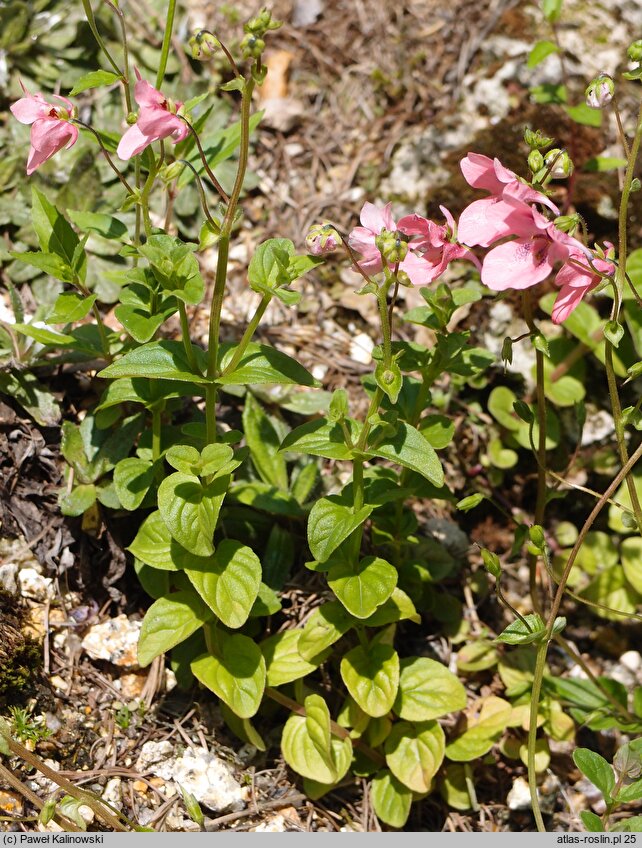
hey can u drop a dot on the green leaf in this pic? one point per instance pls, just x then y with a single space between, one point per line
480 737
133 478
597 769
414 753
105 225
552 10
228 582
263 441
331 521
49 263
427 690
43 335
243 728
190 510
263 364
371 676
604 163
324 627
154 581
398 607
390 798
540 51
80 499
632 825
153 544
583 114
591 822
408 447
517 633
282 658
341 758
169 621
54 232
163 359
630 793
268 263
320 438
25 388
236 674
94 79
363 586
70 307
631 554
307 745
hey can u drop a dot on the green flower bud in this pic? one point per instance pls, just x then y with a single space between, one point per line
491 563
131 118
635 51
169 173
560 163
537 537
536 140
261 23
391 246
203 45
507 350
635 184
600 91
535 161
568 223
252 47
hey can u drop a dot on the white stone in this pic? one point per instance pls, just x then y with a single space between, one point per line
361 348
198 771
632 660
8 578
35 586
599 424
275 824
115 640
519 797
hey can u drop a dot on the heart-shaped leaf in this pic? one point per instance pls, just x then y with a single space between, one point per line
228 581
363 586
132 479
390 798
169 621
330 523
372 677
190 510
282 658
153 544
414 753
427 690
236 674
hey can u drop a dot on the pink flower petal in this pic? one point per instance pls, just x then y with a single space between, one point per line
375 219
133 143
450 221
414 225
517 264
158 123
146 95
29 109
491 218
517 190
567 300
362 240
48 136
479 172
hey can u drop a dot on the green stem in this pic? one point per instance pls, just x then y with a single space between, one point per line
208 170
221 264
102 332
123 30
187 342
89 14
167 40
540 502
105 153
555 607
249 332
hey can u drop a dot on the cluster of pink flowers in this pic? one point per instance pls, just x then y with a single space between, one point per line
531 246
53 127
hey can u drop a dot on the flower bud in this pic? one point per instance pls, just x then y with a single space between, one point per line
252 47
536 139
203 45
131 118
322 238
560 163
636 185
535 161
568 223
171 172
391 246
600 92
261 23
634 51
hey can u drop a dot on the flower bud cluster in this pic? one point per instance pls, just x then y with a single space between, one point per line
600 91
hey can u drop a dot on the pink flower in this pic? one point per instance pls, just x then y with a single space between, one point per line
51 127
531 257
491 218
575 282
435 243
427 255
157 119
